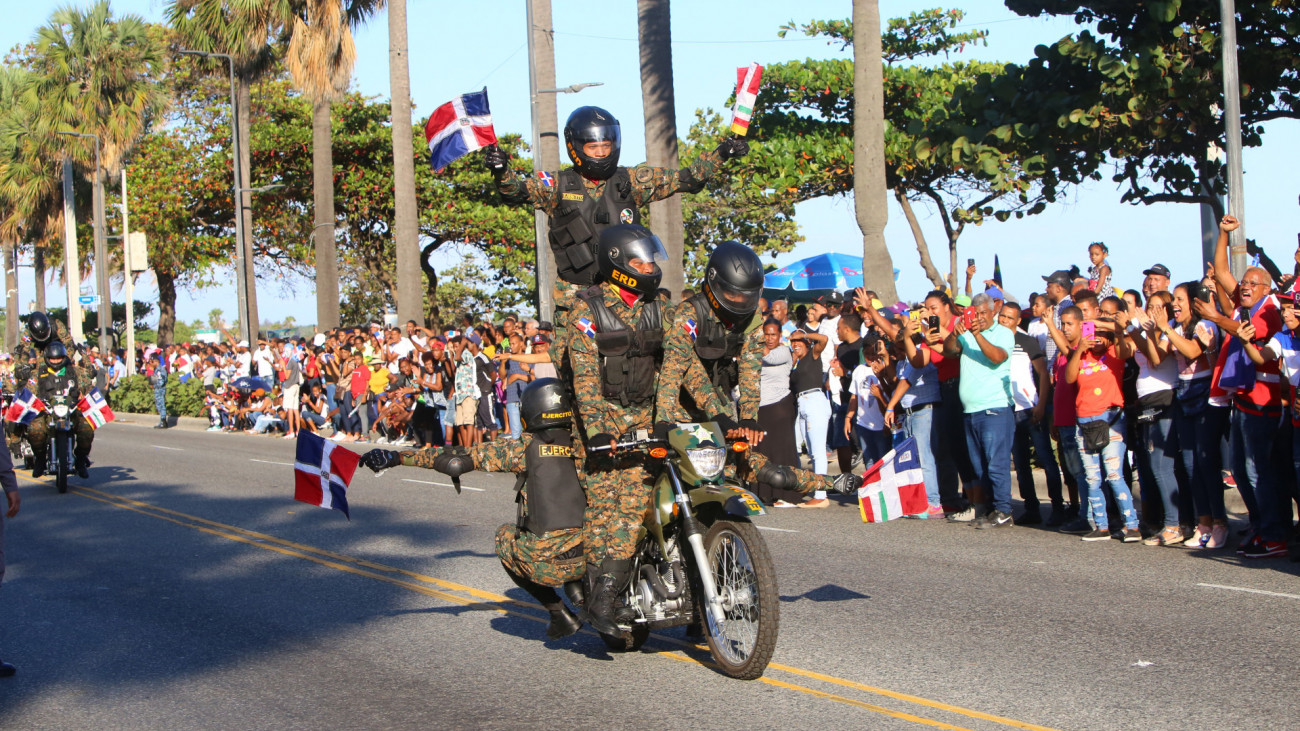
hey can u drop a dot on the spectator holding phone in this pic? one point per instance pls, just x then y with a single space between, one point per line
806 378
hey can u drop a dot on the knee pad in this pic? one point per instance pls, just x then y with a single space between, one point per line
779 477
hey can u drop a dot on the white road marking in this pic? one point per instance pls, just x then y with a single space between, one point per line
778 530
173 449
1250 591
444 484
263 461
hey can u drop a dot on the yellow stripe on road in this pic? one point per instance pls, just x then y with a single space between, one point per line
490 601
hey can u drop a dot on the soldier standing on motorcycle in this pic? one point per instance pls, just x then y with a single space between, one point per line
59 378
544 548
41 331
713 348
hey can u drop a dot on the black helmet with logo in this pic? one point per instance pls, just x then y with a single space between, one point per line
733 282
619 246
544 405
592 124
56 356
38 326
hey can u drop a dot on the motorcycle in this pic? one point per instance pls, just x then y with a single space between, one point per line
700 559
62 442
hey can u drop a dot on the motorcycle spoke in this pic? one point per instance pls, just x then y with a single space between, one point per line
734 575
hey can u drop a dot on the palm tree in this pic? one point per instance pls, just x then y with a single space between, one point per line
247 31
320 58
405 224
655 35
869 191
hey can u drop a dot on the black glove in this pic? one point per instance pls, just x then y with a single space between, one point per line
601 440
496 160
750 424
661 429
732 147
725 423
453 465
379 460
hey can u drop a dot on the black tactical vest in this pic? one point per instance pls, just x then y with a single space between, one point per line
579 219
717 347
552 498
50 385
629 358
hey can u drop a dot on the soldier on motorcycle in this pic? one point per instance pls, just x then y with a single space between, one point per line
57 378
544 548
41 331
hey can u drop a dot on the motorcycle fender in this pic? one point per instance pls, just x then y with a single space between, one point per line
733 499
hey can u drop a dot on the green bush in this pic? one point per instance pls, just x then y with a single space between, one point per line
134 395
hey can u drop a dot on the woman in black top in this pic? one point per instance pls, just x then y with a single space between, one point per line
806 379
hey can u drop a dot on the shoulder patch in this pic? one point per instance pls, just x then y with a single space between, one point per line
587 327
689 327
546 178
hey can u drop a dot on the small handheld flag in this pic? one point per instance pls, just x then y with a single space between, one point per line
322 471
458 128
747 81
894 486
25 408
95 409
997 270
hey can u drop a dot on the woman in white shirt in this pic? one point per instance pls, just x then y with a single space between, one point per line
776 413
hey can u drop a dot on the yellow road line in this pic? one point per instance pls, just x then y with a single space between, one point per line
490 601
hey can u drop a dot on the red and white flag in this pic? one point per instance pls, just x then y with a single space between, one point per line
894 486
747 80
322 471
95 409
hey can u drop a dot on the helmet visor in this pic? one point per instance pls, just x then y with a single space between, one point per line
599 133
735 299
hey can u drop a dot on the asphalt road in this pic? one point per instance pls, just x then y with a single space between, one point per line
182 587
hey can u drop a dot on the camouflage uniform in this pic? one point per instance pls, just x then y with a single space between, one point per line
686 392
38 432
551 559
27 356
618 486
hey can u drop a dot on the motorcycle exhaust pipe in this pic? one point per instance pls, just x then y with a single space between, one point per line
656 582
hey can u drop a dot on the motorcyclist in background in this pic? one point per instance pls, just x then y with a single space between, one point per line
57 378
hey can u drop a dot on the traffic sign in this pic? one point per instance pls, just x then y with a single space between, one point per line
86 299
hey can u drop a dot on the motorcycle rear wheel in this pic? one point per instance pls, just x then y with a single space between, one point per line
743 642
629 641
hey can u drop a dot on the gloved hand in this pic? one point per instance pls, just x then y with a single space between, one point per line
379 460
496 160
847 483
453 465
661 429
601 440
732 147
725 423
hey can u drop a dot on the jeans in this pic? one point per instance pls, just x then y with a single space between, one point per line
265 422
1111 458
315 418
814 414
920 424
953 461
1198 440
160 402
1028 432
872 444
1157 457
1071 460
988 440
1253 468
516 429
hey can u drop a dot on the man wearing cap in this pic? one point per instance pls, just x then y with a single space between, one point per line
1157 280
243 359
1059 284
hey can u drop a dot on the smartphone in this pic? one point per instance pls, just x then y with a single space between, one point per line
933 322
914 315
969 317
1204 294
1089 329
970 262
1244 312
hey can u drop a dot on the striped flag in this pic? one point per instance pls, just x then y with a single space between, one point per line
458 128
25 408
322 471
747 80
95 409
894 486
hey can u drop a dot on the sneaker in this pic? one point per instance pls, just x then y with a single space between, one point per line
1247 545
1071 511
961 516
1077 527
935 512
1229 481
1057 518
1200 538
995 519
381 440
1218 536
1131 535
1266 549
213 428
337 437
1100 534
1030 517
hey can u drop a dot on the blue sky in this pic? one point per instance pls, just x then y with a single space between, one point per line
456 48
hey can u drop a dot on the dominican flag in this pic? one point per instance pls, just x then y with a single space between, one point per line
25 408
587 327
547 179
747 81
95 409
322 471
894 486
458 128
690 328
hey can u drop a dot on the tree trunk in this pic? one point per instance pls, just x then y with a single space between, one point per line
405 226
38 271
655 33
433 314
869 198
246 204
166 306
11 296
921 247
327 266
952 260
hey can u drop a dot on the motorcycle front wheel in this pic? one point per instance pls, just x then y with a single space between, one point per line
61 472
742 643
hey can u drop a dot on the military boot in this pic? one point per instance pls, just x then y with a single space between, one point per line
40 460
82 467
607 581
576 590
563 623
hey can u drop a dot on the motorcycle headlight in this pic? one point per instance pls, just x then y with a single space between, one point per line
708 461
60 410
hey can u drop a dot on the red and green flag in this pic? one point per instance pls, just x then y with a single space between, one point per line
747 81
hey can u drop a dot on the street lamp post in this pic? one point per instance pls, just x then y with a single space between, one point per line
1232 135
247 330
101 251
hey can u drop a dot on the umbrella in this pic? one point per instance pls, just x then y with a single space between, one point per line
249 384
824 271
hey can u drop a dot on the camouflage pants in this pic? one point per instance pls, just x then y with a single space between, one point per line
550 559
805 481
38 435
618 495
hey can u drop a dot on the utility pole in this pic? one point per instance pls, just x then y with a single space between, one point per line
128 286
1232 134
654 32
70 260
546 138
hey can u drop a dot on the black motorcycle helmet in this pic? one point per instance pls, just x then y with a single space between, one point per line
733 282
38 326
592 124
619 246
56 356
545 405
